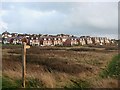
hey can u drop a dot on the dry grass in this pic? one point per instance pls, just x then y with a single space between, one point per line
56 66
111 83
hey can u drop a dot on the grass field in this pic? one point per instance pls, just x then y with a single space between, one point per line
58 67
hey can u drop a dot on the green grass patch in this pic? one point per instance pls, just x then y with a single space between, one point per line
113 68
10 83
0 44
14 83
0 82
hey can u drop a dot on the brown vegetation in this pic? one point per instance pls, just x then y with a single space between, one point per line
58 66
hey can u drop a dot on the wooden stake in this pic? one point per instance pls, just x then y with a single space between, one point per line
24 64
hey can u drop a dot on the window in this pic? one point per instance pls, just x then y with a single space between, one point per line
36 37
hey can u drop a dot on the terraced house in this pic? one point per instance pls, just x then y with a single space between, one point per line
46 40
34 41
16 40
54 40
57 40
81 41
71 41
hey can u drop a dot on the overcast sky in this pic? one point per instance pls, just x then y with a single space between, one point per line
83 18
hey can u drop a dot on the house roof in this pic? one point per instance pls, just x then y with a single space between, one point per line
6 32
63 35
72 37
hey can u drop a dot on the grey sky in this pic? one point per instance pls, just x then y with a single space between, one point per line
83 18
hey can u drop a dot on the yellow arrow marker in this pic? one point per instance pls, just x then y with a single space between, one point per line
27 46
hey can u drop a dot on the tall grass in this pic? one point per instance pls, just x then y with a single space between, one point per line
49 67
82 84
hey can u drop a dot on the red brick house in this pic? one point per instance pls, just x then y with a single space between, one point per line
57 40
71 41
17 40
81 41
6 34
34 41
64 37
46 41
96 40
88 40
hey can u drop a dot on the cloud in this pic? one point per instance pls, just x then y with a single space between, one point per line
3 26
70 18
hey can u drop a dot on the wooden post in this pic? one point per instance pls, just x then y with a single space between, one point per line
23 64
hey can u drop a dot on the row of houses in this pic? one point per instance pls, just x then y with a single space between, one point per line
53 40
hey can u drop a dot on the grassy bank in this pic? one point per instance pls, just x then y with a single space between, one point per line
113 68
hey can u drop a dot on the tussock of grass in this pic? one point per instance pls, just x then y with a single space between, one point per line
78 84
34 83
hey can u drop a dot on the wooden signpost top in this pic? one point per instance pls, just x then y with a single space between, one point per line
27 46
